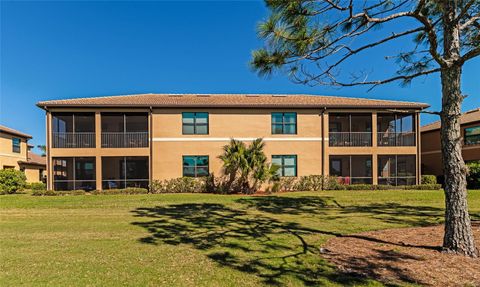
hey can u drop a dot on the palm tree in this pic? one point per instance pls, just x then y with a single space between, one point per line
249 164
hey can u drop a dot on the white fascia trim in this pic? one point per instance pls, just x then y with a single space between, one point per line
213 139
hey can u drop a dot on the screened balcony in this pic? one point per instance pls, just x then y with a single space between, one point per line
350 130
124 130
396 130
74 173
396 169
122 172
73 130
352 169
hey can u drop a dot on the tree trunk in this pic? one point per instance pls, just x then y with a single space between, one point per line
458 231
458 236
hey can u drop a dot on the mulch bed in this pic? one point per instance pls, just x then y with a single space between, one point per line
404 255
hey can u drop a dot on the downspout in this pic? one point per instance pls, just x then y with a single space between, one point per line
47 151
323 141
151 147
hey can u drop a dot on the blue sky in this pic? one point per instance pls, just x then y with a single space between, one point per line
55 50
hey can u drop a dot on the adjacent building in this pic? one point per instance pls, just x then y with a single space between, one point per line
122 141
15 153
431 145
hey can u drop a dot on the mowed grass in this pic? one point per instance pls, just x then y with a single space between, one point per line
196 239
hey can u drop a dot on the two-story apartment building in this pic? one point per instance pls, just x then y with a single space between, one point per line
119 141
431 145
15 153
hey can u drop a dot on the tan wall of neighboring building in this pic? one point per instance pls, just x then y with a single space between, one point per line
432 154
7 156
169 145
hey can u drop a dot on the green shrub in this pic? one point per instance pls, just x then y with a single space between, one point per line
36 186
310 182
360 187
332 183
473 175
179 185
287 184
11 180
425 187
128 190
429 179
57 192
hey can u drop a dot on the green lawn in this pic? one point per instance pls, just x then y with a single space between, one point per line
196 239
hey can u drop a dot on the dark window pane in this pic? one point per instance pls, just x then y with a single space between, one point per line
406 165
136 122
137 168
277 129
63 169
85 168
84 122
62 122
113 168
16 145
113 184
290 118
361 166
63 185
202 171
277 118
290 129
113 122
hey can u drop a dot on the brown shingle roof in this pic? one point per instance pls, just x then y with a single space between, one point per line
14 132
35 159
465 118
229 101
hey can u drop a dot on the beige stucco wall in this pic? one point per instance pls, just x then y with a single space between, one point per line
169 144
7 156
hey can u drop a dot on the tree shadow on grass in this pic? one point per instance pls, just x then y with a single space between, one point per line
274 250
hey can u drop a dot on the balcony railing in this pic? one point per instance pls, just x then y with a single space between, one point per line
350 139
396 139
73 140
124 140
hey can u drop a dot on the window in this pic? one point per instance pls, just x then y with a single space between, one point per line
287 164
284 123
122 172
195 166
16 145
396 129
195 123
472 135
70 173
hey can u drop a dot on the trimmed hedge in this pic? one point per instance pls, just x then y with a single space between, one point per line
429 179
58 192
128 190
181 185
36 186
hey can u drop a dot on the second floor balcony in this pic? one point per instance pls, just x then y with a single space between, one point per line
349 130
396 139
